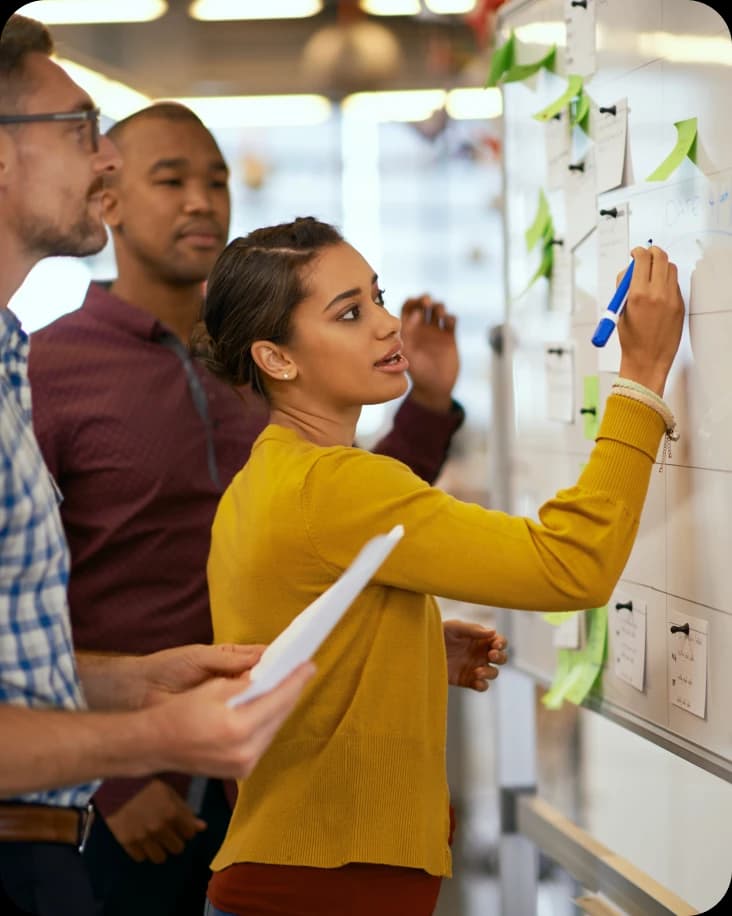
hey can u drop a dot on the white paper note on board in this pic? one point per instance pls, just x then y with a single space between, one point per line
557 141
559 368
580 198
568 635
687 662
612 258
609 129
561 282
627 627
581 53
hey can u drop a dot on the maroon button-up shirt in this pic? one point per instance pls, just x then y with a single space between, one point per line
142 441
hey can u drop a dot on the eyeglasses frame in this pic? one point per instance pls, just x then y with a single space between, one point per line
88 114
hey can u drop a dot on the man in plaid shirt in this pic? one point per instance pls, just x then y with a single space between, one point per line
171 711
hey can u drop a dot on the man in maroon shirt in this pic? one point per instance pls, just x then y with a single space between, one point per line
142 441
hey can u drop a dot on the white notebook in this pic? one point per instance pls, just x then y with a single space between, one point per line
300 640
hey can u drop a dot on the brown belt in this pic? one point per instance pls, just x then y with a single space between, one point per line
45 824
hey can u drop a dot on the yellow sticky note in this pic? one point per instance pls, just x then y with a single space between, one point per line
574 87
502 59
580 112
685 146
578 670
541 225
590 409
519 72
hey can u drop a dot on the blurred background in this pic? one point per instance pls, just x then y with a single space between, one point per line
371 115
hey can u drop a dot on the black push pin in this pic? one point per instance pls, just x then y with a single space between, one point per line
588 410
580 3
556 350
628 605
684 629
608 109
556 241
579 167
611 211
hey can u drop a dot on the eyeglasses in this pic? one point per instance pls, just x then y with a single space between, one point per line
90 114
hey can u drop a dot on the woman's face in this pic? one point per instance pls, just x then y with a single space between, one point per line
344 342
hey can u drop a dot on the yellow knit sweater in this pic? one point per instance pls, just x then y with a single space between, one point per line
357 773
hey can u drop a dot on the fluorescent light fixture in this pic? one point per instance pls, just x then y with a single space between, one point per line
259 110
691 49
116 99
474 104
254 9
542 33
67 12
447 7
391 7
410 105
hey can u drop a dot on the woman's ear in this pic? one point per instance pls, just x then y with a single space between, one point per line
273 361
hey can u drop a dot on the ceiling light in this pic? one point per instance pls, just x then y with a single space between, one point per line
414 105
450 6
259 110
391 7
66 12
692 49
116 99
474 104
254 9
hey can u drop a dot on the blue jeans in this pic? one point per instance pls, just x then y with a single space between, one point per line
212 911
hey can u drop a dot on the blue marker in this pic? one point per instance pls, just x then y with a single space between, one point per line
615 309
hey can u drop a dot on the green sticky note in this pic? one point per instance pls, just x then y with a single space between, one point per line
502 59
557 618
685 146
581 112
578 670
574 87
588 661
519 72
590 399
543 270
542 223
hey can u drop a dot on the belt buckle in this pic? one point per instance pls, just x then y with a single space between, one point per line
86 819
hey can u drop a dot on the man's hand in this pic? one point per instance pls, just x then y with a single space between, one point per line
428 333
198 732
175 670
154 823
472 651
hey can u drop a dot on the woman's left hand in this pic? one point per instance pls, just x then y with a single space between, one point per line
473 652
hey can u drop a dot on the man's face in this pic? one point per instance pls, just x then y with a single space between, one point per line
55 194
169 207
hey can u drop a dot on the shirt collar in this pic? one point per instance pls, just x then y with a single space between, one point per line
12 335
112 310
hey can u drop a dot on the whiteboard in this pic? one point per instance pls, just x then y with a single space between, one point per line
672 61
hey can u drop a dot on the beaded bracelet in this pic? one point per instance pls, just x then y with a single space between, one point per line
627 388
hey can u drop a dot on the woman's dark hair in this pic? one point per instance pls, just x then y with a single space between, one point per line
252 291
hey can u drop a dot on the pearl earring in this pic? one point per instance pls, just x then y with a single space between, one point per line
285 375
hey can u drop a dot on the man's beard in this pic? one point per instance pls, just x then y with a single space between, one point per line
85 237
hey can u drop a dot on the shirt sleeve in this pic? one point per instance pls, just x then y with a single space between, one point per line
421 437
569 559
47 413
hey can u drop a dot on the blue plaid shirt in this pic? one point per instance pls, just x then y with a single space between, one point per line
37 664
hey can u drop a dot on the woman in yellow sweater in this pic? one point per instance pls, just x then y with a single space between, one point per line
347 812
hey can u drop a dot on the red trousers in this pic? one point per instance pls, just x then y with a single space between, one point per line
357 889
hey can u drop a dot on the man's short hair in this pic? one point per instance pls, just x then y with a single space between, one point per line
166 111
20 37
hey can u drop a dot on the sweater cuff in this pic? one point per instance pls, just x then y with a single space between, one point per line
630 433
435 423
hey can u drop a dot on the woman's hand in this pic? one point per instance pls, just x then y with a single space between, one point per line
473 652
651 324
